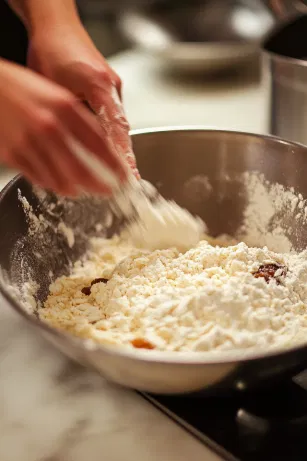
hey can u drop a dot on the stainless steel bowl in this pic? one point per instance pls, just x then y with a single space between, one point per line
168 158
198 36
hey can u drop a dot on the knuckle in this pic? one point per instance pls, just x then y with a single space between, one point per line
66 102
47 123
21 143
102 75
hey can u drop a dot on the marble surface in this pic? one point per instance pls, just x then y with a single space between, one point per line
53 410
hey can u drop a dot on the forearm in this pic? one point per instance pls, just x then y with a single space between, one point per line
40 14
4 67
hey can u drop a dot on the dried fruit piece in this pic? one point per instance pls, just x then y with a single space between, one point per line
140 343
268 271
87 290
99 281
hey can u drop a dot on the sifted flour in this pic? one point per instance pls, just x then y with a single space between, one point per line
206 299
271 211
156 223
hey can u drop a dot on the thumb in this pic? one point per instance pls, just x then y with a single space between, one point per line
107 105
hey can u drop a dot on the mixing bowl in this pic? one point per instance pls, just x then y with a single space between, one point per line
171 159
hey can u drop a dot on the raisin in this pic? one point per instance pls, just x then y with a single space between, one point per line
99 281
87 290
268 271
140 343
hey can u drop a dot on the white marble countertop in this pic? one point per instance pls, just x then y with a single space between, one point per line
52 410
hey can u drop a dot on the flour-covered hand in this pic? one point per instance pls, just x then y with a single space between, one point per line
41 122
67 55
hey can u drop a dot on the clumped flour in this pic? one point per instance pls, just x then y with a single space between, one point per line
202 300
208 295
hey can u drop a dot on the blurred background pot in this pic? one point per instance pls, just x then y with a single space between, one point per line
285 64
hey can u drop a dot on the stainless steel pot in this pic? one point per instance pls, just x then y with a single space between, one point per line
168 158
285 64
198 36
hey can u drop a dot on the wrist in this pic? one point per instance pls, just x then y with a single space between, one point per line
42 17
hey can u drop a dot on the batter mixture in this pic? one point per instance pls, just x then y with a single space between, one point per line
216 296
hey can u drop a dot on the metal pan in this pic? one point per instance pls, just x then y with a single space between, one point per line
205 36
168 158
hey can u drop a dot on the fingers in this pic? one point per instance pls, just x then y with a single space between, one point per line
84 128
117 83
100 87
71 169
57 162
36 165
113 119
68 173
47 159
106 103
23 163
55 136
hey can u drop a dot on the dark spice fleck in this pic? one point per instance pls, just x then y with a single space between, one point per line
87 290
268 271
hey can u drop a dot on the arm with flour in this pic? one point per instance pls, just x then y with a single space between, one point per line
39 121
61 50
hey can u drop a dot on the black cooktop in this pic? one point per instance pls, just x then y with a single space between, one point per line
261 426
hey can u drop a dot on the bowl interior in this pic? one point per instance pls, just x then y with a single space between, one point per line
208 172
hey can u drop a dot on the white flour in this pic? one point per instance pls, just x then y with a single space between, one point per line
164 224
156 223
272 213
206 299
68 234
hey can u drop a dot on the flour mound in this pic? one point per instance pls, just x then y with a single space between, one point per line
206 299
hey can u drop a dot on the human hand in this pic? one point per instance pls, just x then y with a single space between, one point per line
67 55
40 124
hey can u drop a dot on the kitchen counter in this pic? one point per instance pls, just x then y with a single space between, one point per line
154 98
53 410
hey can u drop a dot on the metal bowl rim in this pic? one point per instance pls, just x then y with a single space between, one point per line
161 357
285 59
